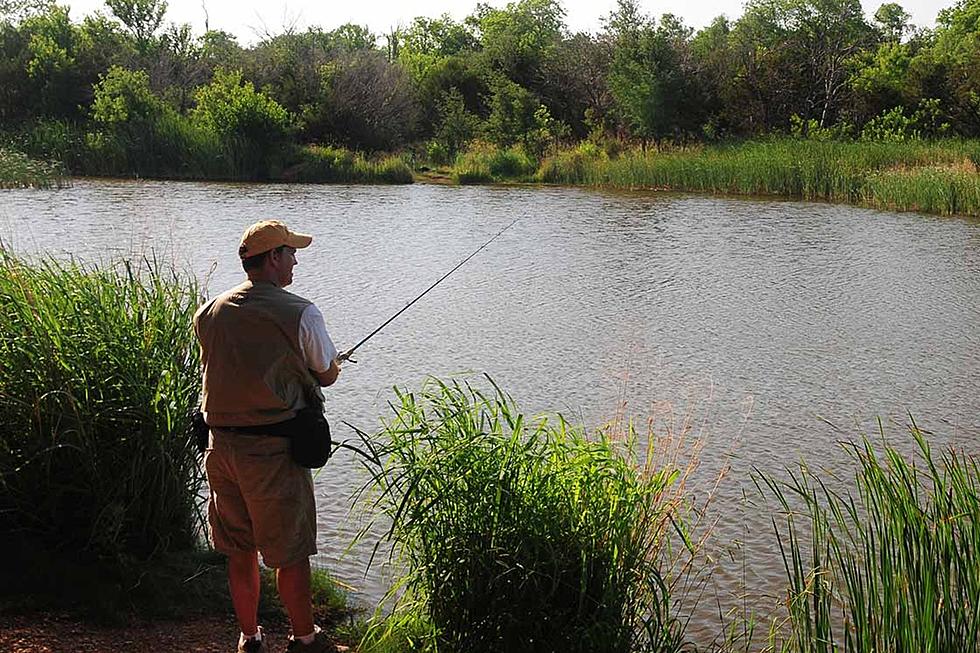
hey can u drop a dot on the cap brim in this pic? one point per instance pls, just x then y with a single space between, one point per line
299 241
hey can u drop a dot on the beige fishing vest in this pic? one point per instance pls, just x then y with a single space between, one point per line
254 372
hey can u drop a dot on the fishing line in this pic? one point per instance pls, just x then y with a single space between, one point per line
347 354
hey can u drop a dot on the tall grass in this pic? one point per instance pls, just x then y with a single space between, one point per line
484 163
323 164
936 177
19 171
892 566
522 534
99 376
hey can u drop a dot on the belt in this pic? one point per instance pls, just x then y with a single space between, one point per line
280 429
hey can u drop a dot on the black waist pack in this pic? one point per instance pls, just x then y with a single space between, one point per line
309 437
308 432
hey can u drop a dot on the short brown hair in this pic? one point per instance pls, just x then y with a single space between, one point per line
257 261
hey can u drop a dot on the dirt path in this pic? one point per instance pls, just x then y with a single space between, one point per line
58 633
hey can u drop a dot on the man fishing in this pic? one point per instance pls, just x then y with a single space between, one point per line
265 353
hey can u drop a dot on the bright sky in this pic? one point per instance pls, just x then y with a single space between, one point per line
248 19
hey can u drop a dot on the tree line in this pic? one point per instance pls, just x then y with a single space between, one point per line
511 76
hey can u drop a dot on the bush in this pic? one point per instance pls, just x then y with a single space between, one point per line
522 535
253 127
99 376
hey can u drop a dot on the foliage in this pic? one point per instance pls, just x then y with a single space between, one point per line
232 108
894 125
817 69
367 103
457 127
890 567
521 534
142 18
99 378
512 114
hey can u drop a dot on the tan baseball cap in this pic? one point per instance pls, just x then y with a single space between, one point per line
270 234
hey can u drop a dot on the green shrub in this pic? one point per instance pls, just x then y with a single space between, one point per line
99 377
522 535
251 125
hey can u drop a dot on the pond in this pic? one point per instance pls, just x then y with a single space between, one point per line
761 333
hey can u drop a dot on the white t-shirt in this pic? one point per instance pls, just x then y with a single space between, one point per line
314 341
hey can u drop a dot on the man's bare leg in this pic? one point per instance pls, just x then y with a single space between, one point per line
296 596
243 582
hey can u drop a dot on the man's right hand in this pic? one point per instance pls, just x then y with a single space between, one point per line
329 376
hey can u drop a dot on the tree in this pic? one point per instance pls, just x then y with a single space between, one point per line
517 38
646 79
795 56
893 21
512 109
574 83
254 128
142 18
13 12
457 126
367 102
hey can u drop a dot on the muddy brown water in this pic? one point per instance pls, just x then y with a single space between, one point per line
764 332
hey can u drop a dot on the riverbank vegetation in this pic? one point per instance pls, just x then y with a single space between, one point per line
96 386
507 93
522 534
514 532
19 171
100 480
891 564
932 177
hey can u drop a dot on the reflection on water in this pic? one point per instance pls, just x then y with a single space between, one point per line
780 327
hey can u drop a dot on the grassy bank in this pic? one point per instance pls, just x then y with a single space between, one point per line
19 171
522 534
938 177
100 481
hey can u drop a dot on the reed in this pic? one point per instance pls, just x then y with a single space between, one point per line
99 377
19 171
521 534
893 565
934 177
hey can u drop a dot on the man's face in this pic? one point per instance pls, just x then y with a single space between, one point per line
284 264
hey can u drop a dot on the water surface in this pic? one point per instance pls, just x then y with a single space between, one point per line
767 331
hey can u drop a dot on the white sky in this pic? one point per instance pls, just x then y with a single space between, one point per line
248 18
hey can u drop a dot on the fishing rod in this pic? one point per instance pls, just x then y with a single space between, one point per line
346 356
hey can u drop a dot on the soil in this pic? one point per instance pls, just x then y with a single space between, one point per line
61 633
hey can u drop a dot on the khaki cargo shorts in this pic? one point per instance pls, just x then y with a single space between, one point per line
260 499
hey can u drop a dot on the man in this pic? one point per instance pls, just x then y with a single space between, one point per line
263 351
